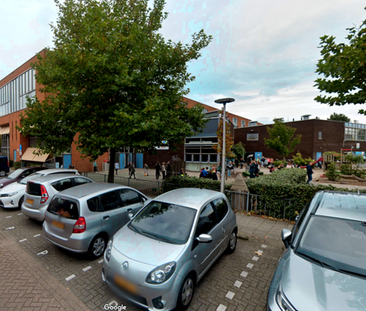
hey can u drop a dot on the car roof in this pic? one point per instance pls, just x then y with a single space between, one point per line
54 177
91 189
190 197
346 205
58 170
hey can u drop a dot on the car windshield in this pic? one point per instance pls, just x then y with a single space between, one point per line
164 222
15 174
335 243
32 176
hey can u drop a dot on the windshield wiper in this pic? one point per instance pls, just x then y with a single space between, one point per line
319 262
131 226
352 273
157 237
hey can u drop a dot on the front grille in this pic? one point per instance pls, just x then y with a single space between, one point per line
137 298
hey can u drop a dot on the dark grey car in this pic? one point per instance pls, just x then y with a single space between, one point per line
324 265
82 219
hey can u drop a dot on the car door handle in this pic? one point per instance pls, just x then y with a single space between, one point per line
129 210
223 229
106 217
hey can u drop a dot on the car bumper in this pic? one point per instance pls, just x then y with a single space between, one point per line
146 295
9 202
76 243
37 214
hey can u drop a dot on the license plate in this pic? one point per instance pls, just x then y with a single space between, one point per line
58 224
30 201
121 282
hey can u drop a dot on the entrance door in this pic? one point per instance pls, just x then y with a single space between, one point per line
66 160
122 160
139 160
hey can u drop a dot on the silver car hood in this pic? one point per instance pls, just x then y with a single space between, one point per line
145 249
311 287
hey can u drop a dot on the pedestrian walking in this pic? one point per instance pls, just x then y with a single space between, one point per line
252 169
157 170
146 170
116 167
229 167
214 172
168 169
309 172
131 170
163 169
95 167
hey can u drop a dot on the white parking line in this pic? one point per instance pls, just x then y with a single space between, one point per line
244 274
255 258
22 240
250 265
10 228
221 308
100 261
238 284
230 295
87 268
70 277
264 246
9 216
45 252
37 235
20 214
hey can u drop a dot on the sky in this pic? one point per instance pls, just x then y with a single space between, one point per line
263 53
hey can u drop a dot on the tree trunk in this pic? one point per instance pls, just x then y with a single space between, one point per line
112 160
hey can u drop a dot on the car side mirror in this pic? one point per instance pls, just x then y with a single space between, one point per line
204 238
286 237
131 215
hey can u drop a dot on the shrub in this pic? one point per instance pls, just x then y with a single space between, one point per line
11 163
176 182
331 173
16 165
246 174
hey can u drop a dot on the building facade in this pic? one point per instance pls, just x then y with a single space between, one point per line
318 136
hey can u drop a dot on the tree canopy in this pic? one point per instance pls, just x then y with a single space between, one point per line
229 140
239 150
281 138
112 80
342 68
339 117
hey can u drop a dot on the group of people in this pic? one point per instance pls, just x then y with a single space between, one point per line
164 169
210 173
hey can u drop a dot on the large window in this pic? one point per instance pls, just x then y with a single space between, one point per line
242 123
201 154
235 121
13 95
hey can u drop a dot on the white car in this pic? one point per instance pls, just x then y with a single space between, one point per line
12 196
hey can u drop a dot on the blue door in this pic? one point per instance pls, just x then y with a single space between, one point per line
122 160
139 160
15 155
67 160
258 155
318 155
130 158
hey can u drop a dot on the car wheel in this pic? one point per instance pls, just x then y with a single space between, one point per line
2 173
21 202
186 293
97 246
232 243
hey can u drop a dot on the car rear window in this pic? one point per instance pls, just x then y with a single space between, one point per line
33 189
64 207
3 160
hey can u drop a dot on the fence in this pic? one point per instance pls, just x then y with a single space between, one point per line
239 201
256 204
150 188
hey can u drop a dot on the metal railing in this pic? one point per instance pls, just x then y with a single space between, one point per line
150 188
256 204
245 202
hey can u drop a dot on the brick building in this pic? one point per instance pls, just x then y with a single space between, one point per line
318 136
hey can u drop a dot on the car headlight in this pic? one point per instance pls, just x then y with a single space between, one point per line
282 301
161 274
10 194
108 250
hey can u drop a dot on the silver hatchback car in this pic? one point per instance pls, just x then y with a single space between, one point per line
159 256
82 219
324 265
39 192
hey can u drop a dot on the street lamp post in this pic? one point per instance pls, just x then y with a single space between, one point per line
223 101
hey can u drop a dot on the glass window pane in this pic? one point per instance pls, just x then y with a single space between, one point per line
204 158
196 158
188 158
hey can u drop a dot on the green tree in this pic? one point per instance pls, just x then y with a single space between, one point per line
339 117
239 150
229 140
281 138
343 69
112 80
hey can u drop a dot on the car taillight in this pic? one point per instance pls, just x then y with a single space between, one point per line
80 225
44 194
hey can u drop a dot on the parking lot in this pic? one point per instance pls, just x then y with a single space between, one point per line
61 279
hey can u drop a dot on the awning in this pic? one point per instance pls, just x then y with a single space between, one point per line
4 130
31 157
